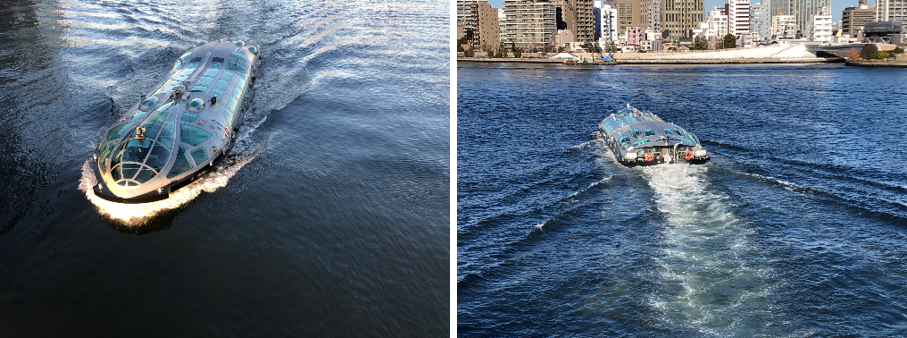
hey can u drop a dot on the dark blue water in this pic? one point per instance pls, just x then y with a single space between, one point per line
330 218
797 227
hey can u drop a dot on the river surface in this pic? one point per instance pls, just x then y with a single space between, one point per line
797 227
331 216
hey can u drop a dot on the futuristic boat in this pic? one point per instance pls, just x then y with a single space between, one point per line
180 130
639 138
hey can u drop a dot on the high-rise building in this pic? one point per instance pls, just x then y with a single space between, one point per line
463 14
854 18
630 13
597 12
738 15
585 21
819 28
681 17
802 10
781 25
608 22
565 17
485 28
577 17
891 10
530 24
761 19
718 22
653 15
501 18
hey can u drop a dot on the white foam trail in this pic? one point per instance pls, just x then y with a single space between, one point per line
707 283
138 214
591 185
787 185
584 144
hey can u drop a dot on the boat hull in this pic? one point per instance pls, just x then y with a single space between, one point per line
641 139
182 129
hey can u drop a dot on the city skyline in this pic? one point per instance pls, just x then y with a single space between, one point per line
837 7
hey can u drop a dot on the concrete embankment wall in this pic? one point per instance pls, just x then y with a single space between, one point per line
474 59
777 52
728 61
860 63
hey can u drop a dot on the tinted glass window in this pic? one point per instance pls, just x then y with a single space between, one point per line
115 174
193 63
130 169
650 132
118 154
189 117
181 61
144 175
198 89
103 163
166 138
693 136
232 65
151 130
136 150
668 131
221 84
149 102
184 74
240 56
181 164
139 115
624 142
226 76
205 81
119 131
161 113
232 104
199 155
217 63
189 134
158 157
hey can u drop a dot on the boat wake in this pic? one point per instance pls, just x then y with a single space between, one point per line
709 278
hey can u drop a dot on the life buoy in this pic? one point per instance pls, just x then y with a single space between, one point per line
688 155
649 157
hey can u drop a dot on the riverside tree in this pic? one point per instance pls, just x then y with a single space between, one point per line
868 51
699 43
730 41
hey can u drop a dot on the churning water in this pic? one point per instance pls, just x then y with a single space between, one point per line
795 228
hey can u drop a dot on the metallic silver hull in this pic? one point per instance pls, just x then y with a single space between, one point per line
179 131
640 138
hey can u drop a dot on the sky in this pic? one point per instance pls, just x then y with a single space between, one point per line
837 6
